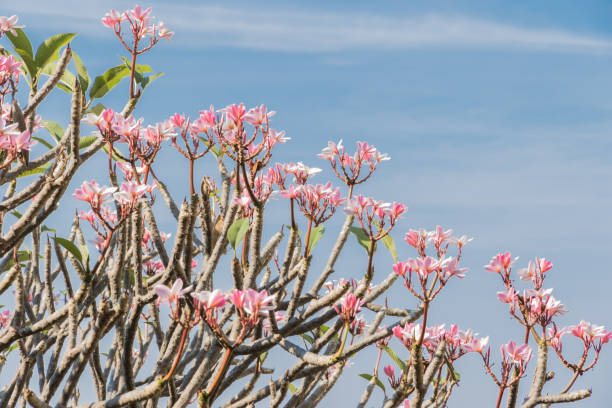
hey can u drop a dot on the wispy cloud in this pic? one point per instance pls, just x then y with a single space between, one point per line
310 31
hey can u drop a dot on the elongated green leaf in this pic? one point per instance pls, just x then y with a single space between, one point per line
139 73
362 238
308 338
81 71
213 149
315 236
378 382
23 48
43 142
66 81
97 109
48 51
54 129
146 81
394 357
108 80
390 244
292 388
45 228
70 247
237 231
37 170
16 213
140 68
85 256
86 141
263 356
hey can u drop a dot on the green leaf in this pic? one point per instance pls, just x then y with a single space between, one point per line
97 109
315 236
45 228
139 73
236 233
146 81
378 382
107 81
16 213
395 358
456 375
48 51
85 254
54 129
86 141
308 338
292 388
362 238
140 69
213 149
23 48
43 142
37 170
390 244
262 356
66 81
81 71
69 245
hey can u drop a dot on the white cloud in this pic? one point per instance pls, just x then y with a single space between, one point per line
313 31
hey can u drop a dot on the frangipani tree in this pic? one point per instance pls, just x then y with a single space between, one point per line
154 296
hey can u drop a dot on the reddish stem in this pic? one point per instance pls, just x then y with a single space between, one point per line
307 237
224 364
499 396
134 53
192 189
180 351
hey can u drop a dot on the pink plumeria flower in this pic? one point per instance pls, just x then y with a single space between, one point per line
517 354
113 18
476 345
348 307
507 297
409 334
5 318
9 24
137 13
258 115
94 194
258 303
401 268
589 333
131 192
171 295
439 236
88 216
450 267
235 113
210 300
500 262
163 31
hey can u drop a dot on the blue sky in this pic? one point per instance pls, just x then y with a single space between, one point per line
496 114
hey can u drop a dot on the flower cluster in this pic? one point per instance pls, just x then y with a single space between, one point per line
140 24
317 202
349 168
13 142
348 307
441 266
376 217
101 218
9 71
